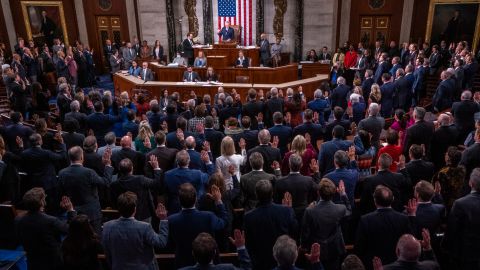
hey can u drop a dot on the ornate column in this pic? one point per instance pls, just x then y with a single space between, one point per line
172 46
260 21
298 32
280 9
190 7
207 22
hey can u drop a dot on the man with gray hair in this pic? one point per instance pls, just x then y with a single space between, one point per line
373 124
273 105
462 230
110 140
346 170
464 113
77 115
402 95
319 105
420 133
445 93
285 252
269 152
339 94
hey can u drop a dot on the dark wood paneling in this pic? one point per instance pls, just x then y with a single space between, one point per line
392 8
419 21
3 31
70 19
92 10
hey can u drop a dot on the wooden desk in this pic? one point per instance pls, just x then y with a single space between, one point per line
128 83
310 70
231 54
228 75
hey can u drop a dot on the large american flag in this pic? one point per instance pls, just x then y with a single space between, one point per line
238 12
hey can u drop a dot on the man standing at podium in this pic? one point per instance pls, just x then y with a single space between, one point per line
188 48
264 50
190 75
226 33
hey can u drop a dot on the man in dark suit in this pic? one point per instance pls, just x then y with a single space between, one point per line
459 74
265 224
388 90
367 84
398 184
140 185
191 76
420 133
129 242
314 130
402 97
445 135
40 234
434 60
188 48
181 231
324 55
39 164
471 155
321 224
252 108
64 98
338 120
395 66
242 61
182 174
302 188
346 170
463 113
14 131
176 138
165 156
272 105
71 137
429 215
137 158
92 159
339 95
329 148
461 238
196 162
249 135
100 123
80 185
382 68
419 169
419 82
320 105
373 124
204 249
80 117
146 73
379 231
228 111
270 154
108 50
226 33
213 137
282 132
249 180
444 95
264 50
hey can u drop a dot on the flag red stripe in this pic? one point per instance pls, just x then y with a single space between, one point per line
249 22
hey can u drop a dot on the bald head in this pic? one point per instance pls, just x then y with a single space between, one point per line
190 142
444 119
264 136
126 142
373 109
408 248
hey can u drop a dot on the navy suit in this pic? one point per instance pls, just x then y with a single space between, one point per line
319 105
215 139
315 131
327 151
172 140
185 226
381 68
402 93
386 103
418 87
39 164
430 216
101 124
349 176
226 34
444 95
196 162
284 134
10 134
367 87
263 225
178 176
339 96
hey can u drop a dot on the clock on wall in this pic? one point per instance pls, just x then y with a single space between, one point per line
105 5
376 4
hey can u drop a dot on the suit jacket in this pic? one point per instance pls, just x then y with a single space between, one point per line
73 139
182 233
81 119
115 65
434 62
367 87
264 49
459 79
419 82
187 48
442 138
381 68
378 233
146 75
271 106
226 34
40 166
244 63
402 97
250 137
215 138
471 158
10 134
420 133
325 56
101 124
373 125
226 113
350 177
129 244
191 78
158 56
420 170
444 95
137 158
284 134
315 131
173 142
247 187
464 112
263 226
269 155
302 188
252 109
80 184
178 176
387 90
141 186
398 183
339 96
40 235
93 160
430 216
165 156
327 151
428 263
345 123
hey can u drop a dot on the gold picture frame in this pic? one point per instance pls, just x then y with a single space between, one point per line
431 13
61 16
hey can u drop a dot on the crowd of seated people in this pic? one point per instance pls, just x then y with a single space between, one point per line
292 179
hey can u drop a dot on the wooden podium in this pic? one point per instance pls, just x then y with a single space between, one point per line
217 61
230 51
225 45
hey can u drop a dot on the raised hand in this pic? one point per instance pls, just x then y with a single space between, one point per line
161 211
19 142
275 142
275 165
147 143
242 143
231 169
180 135
216 194
351 153
238 238
206 146
204 156
287 199
411 207
426 243
314 255
154 162
377 263
341 188
438 187
314 166
66 204
200 128
106 158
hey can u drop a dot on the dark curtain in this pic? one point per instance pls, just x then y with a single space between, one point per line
207 22
298 53
260 20
172 46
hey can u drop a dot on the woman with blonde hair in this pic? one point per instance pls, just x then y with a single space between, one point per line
375 94
229 158
145 140
299 147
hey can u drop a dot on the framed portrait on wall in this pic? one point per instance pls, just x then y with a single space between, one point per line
44 21
453 21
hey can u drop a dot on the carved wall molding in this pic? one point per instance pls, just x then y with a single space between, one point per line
190 7
280 10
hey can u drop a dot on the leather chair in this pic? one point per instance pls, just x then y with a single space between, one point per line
237 36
